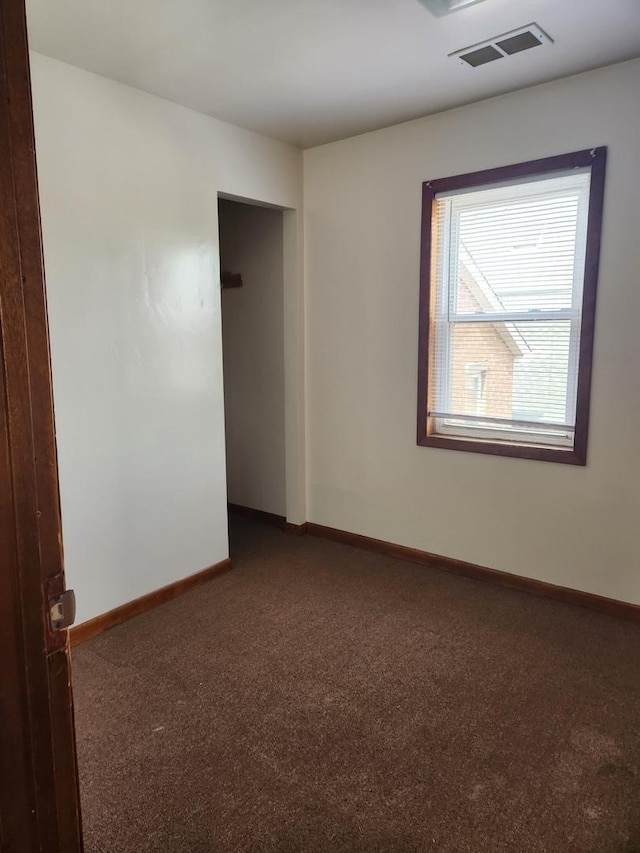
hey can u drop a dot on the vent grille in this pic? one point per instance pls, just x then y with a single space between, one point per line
503 45
481 55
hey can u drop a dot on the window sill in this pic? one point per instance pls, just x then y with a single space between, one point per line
568 456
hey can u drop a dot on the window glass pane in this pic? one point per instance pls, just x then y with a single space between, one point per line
541 376
520 371
516 248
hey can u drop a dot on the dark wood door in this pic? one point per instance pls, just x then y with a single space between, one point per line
39 805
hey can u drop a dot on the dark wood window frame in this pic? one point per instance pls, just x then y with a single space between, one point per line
595 158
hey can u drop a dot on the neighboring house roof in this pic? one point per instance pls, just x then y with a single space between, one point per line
488 300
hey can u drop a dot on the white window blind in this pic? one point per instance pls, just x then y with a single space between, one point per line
508 304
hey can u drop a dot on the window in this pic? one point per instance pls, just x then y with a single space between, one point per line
508 279
475 387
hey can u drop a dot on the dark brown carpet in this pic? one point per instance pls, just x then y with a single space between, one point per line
320 698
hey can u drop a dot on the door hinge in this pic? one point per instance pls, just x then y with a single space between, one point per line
62 610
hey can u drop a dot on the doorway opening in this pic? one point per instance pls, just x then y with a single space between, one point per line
252 279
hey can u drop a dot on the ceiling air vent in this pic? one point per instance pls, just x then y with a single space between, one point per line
506 44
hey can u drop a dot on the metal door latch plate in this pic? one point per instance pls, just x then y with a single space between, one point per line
62 610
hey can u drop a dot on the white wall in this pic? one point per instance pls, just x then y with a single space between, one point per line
251 243
566 525
128 186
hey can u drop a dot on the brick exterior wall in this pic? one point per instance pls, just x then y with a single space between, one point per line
482 364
